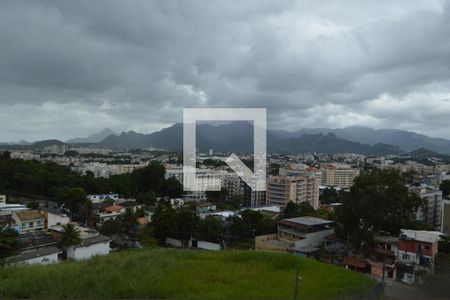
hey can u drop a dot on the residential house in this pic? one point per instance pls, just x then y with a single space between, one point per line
417 250
29 220
108 213
54 218
89 247
92 243
42 256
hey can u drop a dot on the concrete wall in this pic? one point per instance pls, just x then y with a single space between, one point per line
174 243
42 260
80 253
53 219
208 246
315 239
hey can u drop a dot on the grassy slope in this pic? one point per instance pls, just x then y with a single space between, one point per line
166 273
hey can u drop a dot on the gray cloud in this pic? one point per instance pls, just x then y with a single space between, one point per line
69 68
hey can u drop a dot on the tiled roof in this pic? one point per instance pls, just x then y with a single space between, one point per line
29 215
114 208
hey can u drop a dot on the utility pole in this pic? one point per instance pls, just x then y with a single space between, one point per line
297 282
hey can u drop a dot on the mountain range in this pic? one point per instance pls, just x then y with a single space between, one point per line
238 137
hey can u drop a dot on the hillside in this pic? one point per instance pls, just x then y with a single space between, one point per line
175 274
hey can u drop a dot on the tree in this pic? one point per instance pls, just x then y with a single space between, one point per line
111 227
8 242
5 155
33 205
378 201
70 237
165 222
209 229
187 224
291 210
251 223
146 236
302 209
147 198
330 195
128 220
75 199
150 178
171 188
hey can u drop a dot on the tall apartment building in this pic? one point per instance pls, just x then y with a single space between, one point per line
432 212
446 218
338 175
283 189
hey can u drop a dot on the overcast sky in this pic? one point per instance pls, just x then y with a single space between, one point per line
71 68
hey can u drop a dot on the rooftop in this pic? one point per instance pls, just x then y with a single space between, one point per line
308 221
420 235
29 215
33 254
114 208
93 240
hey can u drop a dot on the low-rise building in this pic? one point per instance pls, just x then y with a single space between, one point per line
89 247
29 220
302 235
42 256
417 250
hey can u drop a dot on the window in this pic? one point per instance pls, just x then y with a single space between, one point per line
405 257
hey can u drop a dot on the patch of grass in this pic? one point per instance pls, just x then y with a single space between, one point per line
175 274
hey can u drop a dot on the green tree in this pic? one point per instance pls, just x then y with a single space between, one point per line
165 222
302 209
209 229
172 188
147 198
330 195
251 223
150 178
377 201
187 224
291 210
33 205
8 242
146 236
70 237
111 227
75 199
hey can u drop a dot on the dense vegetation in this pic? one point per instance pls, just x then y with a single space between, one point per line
177 274
378 201
51 180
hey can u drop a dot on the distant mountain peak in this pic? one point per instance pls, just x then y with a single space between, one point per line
94 138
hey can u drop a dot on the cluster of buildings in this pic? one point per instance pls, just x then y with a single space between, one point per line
40 232
407 257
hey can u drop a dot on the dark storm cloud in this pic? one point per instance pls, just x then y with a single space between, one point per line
72 67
